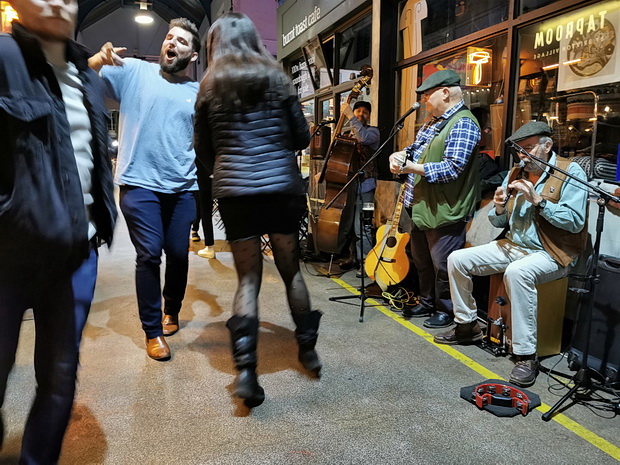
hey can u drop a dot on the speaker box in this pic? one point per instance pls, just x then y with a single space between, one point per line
604 337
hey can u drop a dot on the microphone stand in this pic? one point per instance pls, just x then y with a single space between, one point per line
358 176
583 377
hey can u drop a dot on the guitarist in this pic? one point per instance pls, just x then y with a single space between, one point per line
368 138
443 189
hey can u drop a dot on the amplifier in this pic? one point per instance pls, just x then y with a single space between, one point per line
604 337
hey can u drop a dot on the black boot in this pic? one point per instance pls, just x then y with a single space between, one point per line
244 335
306 335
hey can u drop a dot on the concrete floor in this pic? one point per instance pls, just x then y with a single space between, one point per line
388 395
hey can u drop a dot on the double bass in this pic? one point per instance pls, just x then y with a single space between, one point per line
334 222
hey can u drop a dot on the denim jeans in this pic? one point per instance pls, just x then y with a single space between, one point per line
60 302
158 222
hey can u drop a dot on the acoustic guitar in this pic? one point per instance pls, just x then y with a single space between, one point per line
387 263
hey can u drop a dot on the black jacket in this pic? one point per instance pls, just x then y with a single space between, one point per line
42 213
252 151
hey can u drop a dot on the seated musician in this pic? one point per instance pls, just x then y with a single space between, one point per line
368 138
545 219
442 164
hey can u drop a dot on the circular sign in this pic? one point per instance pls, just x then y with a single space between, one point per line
592 51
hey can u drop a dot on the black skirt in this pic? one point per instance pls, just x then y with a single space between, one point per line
257 215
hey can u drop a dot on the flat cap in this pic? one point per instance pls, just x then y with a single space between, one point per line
443 78
533 128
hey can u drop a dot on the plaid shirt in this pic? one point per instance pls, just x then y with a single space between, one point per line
460 143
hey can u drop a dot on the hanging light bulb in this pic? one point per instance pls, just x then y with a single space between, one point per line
143 16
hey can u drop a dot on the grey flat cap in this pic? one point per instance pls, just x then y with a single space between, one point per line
533 128
443 78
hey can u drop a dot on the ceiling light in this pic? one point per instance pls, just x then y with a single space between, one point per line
143 16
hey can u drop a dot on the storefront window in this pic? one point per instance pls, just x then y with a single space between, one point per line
568 77
529 5
307 107
425 24
355 49
320 70
326 109
481 67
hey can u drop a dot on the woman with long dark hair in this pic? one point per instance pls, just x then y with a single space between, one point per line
248 125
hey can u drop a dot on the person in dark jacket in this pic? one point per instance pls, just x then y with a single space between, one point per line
56 204
248 125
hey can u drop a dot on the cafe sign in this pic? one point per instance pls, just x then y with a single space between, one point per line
298 21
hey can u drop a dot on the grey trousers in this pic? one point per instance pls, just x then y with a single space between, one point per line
522 269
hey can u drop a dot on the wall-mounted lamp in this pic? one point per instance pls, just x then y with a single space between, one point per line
143 16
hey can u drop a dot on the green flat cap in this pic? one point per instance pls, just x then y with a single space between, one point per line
533 128
443 78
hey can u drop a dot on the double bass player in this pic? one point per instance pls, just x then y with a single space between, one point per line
368 137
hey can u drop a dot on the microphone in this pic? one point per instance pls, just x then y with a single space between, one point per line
413 108
326 121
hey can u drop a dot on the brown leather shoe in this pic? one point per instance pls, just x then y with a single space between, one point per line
157 348
170 324
465 333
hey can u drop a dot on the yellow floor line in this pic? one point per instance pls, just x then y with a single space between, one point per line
573 426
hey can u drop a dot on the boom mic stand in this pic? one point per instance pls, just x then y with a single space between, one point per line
583 377
362 295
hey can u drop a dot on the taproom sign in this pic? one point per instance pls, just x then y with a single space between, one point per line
587 42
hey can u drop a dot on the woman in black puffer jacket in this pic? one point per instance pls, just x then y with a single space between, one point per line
248 125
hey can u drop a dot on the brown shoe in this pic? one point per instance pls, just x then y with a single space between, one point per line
157 348
170 324
462 333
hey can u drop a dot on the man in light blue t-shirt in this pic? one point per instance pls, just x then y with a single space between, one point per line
156 170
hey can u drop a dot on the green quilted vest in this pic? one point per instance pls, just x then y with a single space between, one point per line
436 205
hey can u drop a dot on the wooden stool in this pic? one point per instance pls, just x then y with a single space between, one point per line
551 305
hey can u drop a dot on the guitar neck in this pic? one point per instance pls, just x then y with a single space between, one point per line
398 209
